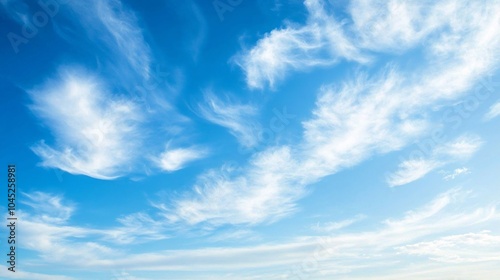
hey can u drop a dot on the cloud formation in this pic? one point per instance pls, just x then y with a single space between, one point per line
353 121
236 117
173 159
96 132
320 42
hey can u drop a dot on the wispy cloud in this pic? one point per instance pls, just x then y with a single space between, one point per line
493 112
457 172
99 124
234 235
461 148
119 31
331 227
23 274
351 121
381 26
320 42
96 132
236 117
173 159
264 190
17 10
461 248
50 208
128 38
117 37
411 170
48 230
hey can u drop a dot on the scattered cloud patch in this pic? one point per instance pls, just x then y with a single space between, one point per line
411 170
331 227
119 31
96 133
320 42
493 112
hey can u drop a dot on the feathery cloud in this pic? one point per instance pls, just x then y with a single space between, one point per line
320 42
96 132
173 159
493 112
326 255
412 169
237 118
457 172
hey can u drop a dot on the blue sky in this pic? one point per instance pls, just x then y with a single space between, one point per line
253 139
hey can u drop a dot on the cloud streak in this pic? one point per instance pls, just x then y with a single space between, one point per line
493 112
413 169
235 117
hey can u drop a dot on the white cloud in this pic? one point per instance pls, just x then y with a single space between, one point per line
320 42
173 159
135 228
47 230
461 148
126 276
17 10
122 25
264 190
392 25
493 112
457 172
431 209
232 235
49 208
116 36
99 133
96 132
331 227
24 274
412 169
237 118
